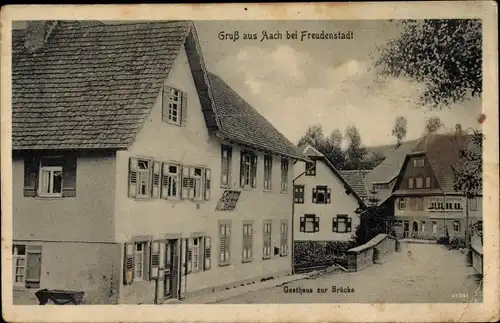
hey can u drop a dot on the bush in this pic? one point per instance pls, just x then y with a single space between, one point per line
444 240
312 252
457 243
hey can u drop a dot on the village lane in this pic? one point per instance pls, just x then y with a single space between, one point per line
420 273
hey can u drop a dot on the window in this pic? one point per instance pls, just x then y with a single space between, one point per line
228 200
434 227
284 174
341 223
268 167
473 204
298 194
381 186
321 195
418 162
266 252
174 105
170 181
416 203
248 171
194 258
419 182
140 177
196 183
410 182
422 226
247 241
226 152
311 168
50 180
427 182
19 264
456 226
49 176
457 205
139 260
224 243
309 223
284 238
402 203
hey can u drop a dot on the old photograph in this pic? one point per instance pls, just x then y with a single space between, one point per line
171 162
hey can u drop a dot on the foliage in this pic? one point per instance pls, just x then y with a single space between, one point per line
373 161
355 151
433 124
375 220
329 146
313 252
400 129
445 55
443 240
457 243
468 177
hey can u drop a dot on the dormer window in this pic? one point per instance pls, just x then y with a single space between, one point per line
174 108
51 172
311 169
418 162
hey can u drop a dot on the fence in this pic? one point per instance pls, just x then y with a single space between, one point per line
365 255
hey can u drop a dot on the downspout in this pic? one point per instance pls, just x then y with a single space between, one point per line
293 216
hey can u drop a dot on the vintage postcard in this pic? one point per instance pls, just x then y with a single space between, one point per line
267 163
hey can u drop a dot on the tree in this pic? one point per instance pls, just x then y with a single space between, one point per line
468 176
314 136
333 149
355 153
433 124
373 161
445 55
400 129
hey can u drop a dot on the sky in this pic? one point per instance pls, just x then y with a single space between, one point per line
296 84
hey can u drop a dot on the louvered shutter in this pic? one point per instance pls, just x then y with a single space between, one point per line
208 253
191 184
132 177
302 224
31 164
208 179
154 271
316 224
165 102
222 247
314 191
189 255
254 171
156 179
164 181
328 195
242 169
349 224
128 264
146 261
228 243
335 226
184 113
186 182
69 176
296 194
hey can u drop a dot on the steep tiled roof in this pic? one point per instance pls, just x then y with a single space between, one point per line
241 123
310 151
92 85
355 178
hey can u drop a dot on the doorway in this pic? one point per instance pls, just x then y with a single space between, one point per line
415 227
406 228
167 283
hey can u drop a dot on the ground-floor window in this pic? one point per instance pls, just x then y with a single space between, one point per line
26 262
309 223
456 226
341 223
434 227
422 226
266 252
247 241
139 260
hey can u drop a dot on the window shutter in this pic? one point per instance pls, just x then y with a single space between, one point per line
132 177
335 227
30 175
302 224
184 108
183 257
329 196
208 253
185 182
164 181
254 171
222 247
189 255
228 243
316 224
314 195
242 169
128 264
146 261
191 183
208 174
165 98
33 266
69 177
154 271
156 179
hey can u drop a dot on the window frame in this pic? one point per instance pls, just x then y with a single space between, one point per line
418 162
143 262
170 178
402 203
226 165
419 182
428 182
198 179
346 219
284 238
327 194
297 195
457 223
51 169
249 173
224 247
267 232
315 223
310 168
434 226
285 173
197 249
410 182
15 258
148 175
168 106
247 243
473 204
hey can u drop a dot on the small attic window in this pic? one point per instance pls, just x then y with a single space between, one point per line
418 162
174 106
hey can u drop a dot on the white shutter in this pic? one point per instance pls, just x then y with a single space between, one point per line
164 181
132 177
156 179
208 180
185 182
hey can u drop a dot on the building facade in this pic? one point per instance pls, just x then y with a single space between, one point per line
143 188
326 208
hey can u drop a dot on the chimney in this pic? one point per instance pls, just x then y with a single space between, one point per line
36 33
